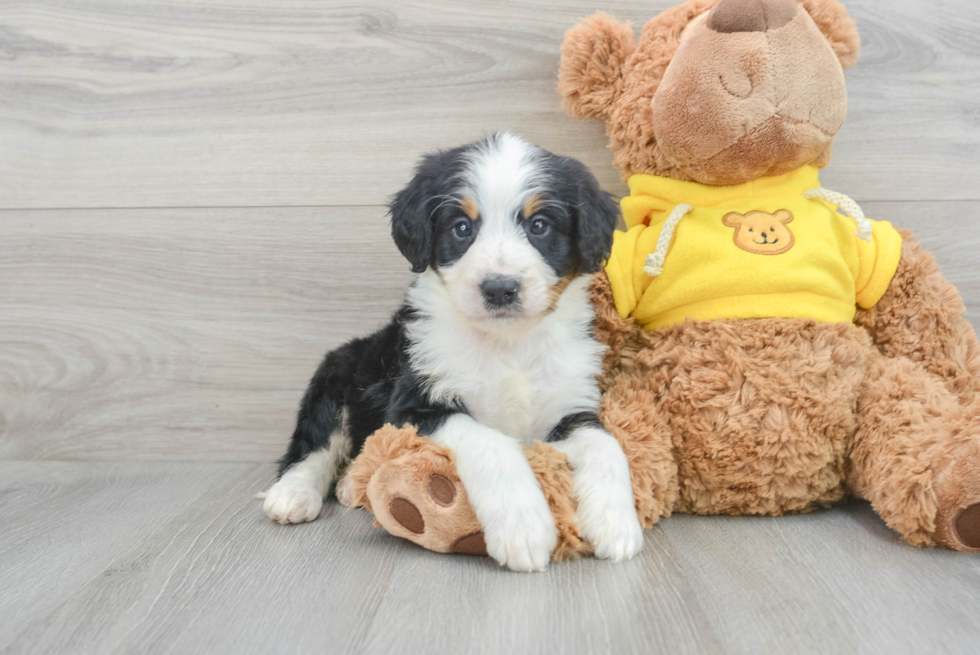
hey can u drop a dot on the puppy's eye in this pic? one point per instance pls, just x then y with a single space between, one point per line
463 228
538 225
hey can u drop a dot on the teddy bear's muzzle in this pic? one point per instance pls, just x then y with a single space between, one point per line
729 16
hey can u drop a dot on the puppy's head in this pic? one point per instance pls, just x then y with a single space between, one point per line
504 225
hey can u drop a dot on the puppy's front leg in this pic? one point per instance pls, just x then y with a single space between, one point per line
601 479
518 526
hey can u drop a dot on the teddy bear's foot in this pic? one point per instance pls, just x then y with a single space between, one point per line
966 526
419 497
958 496
959 528
411 486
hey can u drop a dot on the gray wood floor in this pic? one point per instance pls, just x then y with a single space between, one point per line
101 557
191 213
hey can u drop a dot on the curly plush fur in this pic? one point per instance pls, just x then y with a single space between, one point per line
921 317
771 416
776 415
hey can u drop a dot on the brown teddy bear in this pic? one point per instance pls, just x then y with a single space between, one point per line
770 348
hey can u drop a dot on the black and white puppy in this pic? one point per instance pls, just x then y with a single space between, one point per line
492 348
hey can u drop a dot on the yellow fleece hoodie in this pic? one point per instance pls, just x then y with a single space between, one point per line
759 249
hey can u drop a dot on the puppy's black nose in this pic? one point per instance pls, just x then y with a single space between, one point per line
500 291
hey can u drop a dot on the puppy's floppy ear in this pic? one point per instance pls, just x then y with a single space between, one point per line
411 220
593 55
838 26
596 215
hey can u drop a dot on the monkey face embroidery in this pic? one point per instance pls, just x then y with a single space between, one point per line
760 232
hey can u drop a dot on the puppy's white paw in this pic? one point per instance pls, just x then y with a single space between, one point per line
290 501
521 535
518 527
610 524
606 511
345 491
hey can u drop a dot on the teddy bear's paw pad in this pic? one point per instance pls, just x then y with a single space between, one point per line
442 492
407 514
418 497
966 525
471 544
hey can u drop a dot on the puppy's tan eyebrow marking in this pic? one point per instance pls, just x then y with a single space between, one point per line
469 207
532 205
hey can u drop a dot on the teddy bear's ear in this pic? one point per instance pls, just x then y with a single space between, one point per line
732 219
592 58
784 216
838 26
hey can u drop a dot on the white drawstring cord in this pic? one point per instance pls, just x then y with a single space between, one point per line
655 260
850 208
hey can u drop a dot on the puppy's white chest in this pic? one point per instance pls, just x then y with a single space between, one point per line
524 395
521 385
505 403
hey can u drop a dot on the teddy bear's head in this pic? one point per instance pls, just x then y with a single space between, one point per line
715 91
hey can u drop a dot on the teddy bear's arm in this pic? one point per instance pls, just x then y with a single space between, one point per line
921 317
617 333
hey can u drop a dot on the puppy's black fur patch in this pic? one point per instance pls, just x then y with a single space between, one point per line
572 422
372 380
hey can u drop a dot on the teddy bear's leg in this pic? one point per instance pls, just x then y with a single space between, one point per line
921 317
916 456
411 485
619 335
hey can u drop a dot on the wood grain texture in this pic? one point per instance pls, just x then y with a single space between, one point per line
249 102
178 558
67 524
191 334
179 334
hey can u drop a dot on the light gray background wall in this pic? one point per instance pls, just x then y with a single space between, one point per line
193 193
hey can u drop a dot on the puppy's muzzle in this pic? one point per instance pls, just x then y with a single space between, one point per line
500 291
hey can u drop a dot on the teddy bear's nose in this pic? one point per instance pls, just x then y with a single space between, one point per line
751 15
